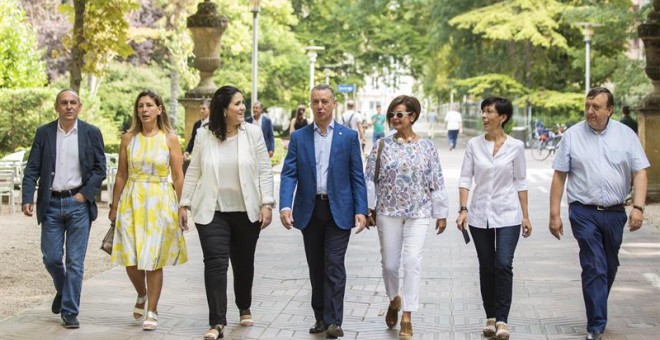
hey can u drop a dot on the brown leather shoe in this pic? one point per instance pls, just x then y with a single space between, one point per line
392 316
334 331
319 326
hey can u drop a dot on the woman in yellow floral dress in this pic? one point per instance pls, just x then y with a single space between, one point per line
148 235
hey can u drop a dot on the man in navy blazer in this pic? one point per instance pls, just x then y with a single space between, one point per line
265 124
324 168
68 161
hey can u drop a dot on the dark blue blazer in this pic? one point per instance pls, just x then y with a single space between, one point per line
346 187
41 166
191 142
267 129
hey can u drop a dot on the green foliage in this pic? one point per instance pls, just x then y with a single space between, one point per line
492 85
20 64
554 107
516 20
105 32
22 110
283 65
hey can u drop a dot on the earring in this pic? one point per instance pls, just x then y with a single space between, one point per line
225 114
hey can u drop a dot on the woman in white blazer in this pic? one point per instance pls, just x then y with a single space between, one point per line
229 189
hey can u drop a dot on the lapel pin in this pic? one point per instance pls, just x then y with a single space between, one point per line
340 133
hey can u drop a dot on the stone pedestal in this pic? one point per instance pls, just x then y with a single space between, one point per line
648 115
206 28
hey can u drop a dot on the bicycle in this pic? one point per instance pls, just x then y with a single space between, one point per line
546 144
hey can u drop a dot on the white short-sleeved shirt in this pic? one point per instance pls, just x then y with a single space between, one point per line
352 119
453 120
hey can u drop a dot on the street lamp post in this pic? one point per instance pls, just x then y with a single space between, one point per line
255 9
587 32
311 53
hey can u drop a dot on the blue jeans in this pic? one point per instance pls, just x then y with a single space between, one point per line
452 135
599 235
495 248
66 220
377 135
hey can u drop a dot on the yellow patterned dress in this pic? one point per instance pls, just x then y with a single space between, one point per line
147 230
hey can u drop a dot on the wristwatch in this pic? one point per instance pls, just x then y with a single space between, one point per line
638 207
462 208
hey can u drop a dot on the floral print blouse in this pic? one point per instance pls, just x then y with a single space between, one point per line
410 182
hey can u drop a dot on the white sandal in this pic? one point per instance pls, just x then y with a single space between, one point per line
138 313
150 325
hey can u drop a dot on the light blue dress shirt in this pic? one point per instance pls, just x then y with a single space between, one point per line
322 145
599 165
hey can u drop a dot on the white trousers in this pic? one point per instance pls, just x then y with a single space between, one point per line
402 242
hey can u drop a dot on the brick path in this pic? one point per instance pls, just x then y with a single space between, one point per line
547 300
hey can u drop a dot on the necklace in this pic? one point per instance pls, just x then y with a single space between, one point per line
408 140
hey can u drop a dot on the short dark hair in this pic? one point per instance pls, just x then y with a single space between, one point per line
503 106
219 103
598 90
412 105
625 110
323 87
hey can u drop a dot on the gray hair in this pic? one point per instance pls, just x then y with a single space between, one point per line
323 87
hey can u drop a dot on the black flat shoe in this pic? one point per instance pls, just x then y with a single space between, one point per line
319 326
70 321
57 304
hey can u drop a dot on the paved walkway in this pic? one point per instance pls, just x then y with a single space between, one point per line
547 300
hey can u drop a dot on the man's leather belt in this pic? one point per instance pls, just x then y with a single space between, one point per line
616 207
65 193
322 197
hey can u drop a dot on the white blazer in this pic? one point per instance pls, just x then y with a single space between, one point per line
200 186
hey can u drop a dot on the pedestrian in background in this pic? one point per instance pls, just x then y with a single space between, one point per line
148 235
495 163
407 196
601 158
378 122
66 196
323 166
454 125
299 121
266 125
204 119
353 119
229 189
627 120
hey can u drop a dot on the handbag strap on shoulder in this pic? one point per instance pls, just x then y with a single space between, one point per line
380 151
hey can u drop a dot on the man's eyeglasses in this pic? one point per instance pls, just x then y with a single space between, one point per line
398 114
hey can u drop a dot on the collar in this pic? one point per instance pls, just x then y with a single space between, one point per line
75 127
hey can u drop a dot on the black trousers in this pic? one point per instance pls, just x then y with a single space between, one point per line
229 236
325 248
495 249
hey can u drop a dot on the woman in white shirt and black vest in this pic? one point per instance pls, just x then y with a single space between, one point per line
495 162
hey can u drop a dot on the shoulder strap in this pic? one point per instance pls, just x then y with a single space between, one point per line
380 151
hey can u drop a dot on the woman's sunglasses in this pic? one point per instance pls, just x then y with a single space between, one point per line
398 114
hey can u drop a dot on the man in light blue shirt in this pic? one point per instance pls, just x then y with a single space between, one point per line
601 158
322 193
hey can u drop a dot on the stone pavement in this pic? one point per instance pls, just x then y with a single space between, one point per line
547 300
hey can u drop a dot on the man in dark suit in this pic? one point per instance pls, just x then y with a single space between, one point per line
324 168
265 124
204 111
68 160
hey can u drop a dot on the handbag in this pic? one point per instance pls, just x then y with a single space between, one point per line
106 243
371 221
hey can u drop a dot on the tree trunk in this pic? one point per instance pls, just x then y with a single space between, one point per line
77 53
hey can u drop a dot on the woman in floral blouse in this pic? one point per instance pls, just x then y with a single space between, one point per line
407 196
